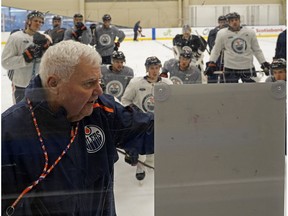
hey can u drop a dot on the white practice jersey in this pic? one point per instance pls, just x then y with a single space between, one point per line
140 93
12 58
239 48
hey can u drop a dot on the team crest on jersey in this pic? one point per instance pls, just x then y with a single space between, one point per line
114 88
105 39
94 137
239 45
176 80
148 103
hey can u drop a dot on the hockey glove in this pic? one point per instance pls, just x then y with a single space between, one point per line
117 45
93 26
265 66
93 29
165 75
41 41
31 52
131 157
211 67
80 27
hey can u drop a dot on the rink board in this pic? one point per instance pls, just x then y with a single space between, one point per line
219 149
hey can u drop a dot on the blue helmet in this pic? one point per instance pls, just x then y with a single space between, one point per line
153 60
186 52
106 17
233 15
278 64
118 55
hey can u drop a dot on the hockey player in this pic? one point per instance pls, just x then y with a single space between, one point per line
239 44
222 23
56 33
79 32
116 76
139 92
105 37
137 31
23 51
278 70
58 146
195 42
181 71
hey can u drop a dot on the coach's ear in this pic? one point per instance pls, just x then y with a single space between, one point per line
53 84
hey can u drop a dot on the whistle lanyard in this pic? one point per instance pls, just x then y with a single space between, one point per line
46 170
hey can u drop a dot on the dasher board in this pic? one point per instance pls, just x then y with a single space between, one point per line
219 149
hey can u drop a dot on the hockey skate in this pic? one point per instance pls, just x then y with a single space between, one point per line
140 172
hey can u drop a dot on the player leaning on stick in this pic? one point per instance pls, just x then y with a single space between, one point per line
239 45
139 92
222 23
181 71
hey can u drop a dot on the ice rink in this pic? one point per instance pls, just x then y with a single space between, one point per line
133 198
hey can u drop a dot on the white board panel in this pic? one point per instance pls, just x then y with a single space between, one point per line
220 149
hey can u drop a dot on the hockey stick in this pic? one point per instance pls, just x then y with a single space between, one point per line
168 47
223 73
144 164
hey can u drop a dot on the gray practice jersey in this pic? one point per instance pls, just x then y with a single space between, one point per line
116 82
85 38
105 38
239 48
12 59
191 75
140 93
270 79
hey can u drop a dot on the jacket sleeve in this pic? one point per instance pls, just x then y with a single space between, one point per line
218 46
134 129
256 48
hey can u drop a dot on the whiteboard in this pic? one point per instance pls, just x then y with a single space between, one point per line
219 149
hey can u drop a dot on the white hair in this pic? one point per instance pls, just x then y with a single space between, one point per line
62 59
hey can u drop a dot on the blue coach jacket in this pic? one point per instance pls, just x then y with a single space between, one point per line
82 182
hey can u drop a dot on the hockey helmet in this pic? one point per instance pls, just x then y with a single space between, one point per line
106 17
78 15
221 18
186 52
233 15
186 28
278 64
153 60
119 55
35 13
56 18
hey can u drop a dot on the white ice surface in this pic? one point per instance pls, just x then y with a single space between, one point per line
133 198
